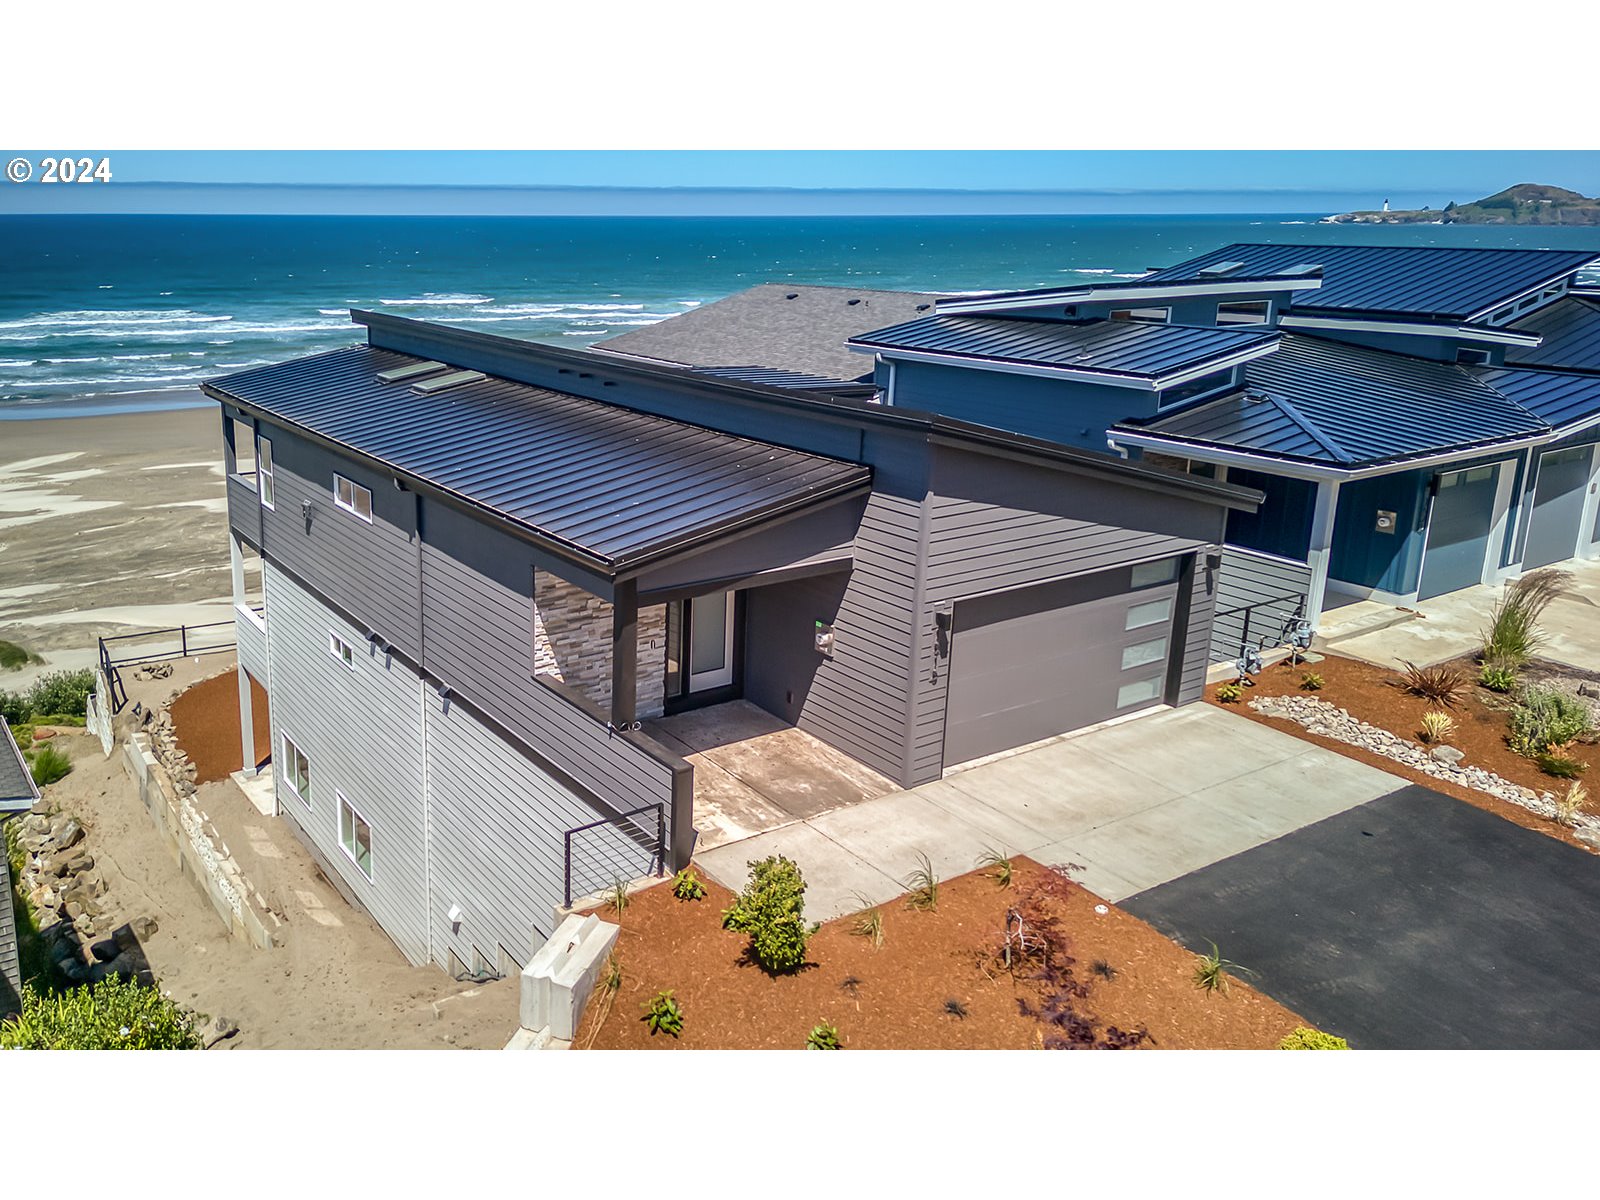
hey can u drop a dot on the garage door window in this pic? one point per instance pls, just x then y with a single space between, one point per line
1138 693
1164 571
1152 612
1143 653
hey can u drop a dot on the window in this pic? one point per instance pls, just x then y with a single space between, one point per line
352 497
296 770
342 650
1144 316
264 458
1472 358
1144 653
1244 312
355 835
1138 693
1162 571
1194 389
1152 612
243 440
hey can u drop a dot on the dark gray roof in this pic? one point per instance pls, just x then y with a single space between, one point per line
605 485
798 327
1438 281
1571 331
797 380
16 782
1329 402
1125 348
1557 397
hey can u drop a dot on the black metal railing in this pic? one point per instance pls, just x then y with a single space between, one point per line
1249 610
188 646
616 862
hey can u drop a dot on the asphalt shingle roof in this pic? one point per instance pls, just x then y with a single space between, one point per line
16 783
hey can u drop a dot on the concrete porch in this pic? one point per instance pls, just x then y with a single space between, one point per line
1448 626
753 772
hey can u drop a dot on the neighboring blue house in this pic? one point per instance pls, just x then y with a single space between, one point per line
1421 419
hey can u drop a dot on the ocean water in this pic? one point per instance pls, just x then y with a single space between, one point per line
122 313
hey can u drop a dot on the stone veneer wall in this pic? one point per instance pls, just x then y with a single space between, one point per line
572 642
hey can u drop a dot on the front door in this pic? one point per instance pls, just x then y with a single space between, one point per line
1558 503
1458 530
710 637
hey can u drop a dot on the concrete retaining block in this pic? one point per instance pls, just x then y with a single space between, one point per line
561 976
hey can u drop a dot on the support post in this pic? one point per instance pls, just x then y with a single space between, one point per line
247 724
1321 550
624 652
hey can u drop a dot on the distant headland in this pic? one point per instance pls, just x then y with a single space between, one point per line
1525 204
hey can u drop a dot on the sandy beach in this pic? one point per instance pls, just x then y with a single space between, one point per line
109 524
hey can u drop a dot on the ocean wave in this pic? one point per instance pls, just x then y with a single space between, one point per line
691 303
334 312
83 318
429 299
1089 270
148 333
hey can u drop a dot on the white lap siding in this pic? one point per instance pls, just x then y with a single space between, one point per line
362 731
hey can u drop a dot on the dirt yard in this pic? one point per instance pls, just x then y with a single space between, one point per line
935 983
1373 694
337 983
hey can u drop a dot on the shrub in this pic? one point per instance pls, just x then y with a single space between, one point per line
1230 693
999 866
771 910
22 735
115 1014
62 692
1513 635
65 719
1561 766
1436 726
49 765
1569 806
824 1037
13 656
924 886
14 708
1305 1038
1498 675
1440 684
1311 682
686 885
617 897
868 922
662 1015
1211 972
1543 720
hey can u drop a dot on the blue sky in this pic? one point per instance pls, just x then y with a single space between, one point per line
851 181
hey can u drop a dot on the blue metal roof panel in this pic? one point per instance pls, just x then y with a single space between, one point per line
1264 424
1559 397
1440 281
615 485
1107 347
1571 331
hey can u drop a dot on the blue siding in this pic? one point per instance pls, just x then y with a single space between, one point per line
1282 525
1367 558
1076 414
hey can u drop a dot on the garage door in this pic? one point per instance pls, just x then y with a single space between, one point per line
1557 507
1033 663
1458 531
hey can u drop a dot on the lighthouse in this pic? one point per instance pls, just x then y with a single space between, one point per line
1386 204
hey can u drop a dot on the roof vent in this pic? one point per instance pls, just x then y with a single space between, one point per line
455 379
1303 269
1221 268
854 300
1254 397
924 307
792 296
414 370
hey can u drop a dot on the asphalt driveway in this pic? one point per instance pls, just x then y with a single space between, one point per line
1414 921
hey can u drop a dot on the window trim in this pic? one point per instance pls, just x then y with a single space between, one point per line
368 871
1131 319
354 488
290 749
342 650
264 477
1265 319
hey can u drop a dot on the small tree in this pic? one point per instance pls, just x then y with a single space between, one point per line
771 910
114 1014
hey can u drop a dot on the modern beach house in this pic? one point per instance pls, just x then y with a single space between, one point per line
488 564
1420 420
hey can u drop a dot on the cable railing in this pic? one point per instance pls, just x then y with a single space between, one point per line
192 640
626 850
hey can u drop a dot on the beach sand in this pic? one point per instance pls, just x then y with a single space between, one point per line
109 524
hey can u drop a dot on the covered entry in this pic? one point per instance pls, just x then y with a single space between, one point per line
1458 530
1038 661
1558 506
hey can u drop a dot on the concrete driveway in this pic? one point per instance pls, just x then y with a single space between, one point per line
1413 922
1132 805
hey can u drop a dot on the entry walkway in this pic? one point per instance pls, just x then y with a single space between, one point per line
1132 805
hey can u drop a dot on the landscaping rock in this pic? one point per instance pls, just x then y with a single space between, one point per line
220 1030
105 951
1590 691
66 832
144 928
1446 754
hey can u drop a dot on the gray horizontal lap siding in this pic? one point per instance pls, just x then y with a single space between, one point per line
477 616
10 965
362 732
251 641
1246 578
244 511
369 570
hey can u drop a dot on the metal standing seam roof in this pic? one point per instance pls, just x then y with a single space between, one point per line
1330 402
1571 331
17 791
1557 397
615 487
1453 283
1128 348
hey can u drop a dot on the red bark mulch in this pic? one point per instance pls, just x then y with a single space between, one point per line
1374 695
206 721
903 994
